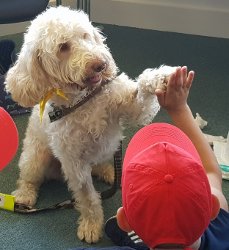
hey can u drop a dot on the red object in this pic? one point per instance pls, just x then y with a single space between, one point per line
8 138
165 191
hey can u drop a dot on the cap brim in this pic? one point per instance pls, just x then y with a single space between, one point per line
8 138
155 133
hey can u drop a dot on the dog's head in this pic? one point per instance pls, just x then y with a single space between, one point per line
61 48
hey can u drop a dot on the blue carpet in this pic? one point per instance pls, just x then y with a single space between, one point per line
133 50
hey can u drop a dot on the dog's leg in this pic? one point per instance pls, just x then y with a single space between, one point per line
88 201
145 105
139 103
104 171
33 163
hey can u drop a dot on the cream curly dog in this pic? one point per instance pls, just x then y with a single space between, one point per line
65 60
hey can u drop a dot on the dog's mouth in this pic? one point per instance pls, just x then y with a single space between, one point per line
95 73
93 80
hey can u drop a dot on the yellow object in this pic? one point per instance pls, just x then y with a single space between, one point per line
47 96
7 202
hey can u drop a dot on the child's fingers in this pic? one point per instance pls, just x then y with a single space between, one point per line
184 74
190 78
179 77
170 81
173 79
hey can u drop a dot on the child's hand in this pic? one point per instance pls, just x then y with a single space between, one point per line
174 98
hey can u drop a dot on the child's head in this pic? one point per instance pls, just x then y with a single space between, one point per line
165 192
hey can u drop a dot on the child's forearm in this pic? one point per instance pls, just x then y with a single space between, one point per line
184 120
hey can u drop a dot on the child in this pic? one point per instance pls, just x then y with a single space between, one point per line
171 183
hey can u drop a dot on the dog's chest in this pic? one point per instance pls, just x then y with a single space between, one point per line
94 139
95 126
93 123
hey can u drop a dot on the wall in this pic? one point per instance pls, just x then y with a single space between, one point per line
8 29
200 17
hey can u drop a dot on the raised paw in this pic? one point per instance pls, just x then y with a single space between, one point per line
89 230
152 79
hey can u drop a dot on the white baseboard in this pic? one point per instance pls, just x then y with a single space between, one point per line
206 17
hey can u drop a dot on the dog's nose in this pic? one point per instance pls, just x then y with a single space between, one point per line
99 66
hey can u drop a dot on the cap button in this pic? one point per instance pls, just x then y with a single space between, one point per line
168 178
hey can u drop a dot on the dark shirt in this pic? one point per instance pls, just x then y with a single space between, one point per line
216 237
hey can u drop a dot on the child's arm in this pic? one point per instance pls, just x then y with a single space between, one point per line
174 100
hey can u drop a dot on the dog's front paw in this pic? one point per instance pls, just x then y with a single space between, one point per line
152 79
89 230
27 197
26 193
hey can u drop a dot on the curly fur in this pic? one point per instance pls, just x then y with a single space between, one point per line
63 50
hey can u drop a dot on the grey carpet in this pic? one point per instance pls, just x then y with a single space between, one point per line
134 50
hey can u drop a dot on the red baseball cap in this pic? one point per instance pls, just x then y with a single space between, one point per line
8 138
165 191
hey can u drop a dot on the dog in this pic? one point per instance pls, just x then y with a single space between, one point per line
65 67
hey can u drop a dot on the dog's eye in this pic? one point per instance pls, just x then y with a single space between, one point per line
64 47
64 51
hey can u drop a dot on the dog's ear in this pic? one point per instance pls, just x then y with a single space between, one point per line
99 38
26 81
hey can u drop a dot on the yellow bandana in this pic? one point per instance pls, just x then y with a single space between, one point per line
47 96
